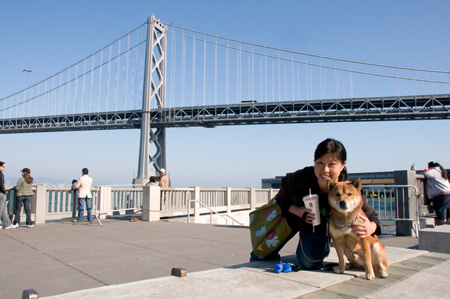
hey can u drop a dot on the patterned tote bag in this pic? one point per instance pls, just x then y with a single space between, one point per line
268 229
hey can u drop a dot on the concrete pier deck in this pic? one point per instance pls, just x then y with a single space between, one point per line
125 259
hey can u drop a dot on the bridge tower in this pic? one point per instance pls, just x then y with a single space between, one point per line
154 89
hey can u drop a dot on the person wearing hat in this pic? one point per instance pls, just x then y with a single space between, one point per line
24 194
164 180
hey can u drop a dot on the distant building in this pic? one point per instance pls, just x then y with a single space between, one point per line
374 178
367 178
274 183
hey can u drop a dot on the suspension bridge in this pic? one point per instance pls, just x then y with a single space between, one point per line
160 76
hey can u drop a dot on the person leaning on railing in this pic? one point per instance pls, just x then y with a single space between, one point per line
24 194
438 189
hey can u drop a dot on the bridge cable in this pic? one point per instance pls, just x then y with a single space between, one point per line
309 54
336 68
42 81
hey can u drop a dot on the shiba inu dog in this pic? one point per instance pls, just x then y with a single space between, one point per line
368 253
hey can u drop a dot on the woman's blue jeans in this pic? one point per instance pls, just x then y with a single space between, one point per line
82 202
24 201
441 205
312 249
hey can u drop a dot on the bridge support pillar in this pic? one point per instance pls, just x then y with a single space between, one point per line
154 89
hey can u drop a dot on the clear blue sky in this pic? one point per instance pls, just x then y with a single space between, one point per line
47 36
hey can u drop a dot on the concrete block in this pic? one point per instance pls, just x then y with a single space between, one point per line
151 203
30 294
404 228
427 222
423 223
435 239
41 204
179 272
104 201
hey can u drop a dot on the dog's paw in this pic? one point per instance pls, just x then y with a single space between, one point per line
339 270
384 274
370 276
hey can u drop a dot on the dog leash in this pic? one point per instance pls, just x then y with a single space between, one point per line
344 225
303 251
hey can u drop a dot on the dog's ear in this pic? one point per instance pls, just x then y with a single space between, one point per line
357 183
330 185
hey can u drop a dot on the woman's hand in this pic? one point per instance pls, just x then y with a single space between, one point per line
365 228
299 211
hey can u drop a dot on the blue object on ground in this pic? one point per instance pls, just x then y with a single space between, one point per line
278 268
287 268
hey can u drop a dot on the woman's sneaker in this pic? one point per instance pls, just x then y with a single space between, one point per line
16 225
11 226
30 225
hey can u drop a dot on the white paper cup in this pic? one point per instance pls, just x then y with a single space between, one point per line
312 203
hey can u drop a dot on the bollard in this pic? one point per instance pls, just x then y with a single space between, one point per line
179 272
30 294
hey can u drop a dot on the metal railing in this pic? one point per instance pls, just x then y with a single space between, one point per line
391 202
61 203
211 212
125 197
176 201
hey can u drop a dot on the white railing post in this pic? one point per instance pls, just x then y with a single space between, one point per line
252 199
151 203
41 204
272 194
228 197
197 204
103 201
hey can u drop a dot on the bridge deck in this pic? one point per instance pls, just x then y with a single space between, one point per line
342 110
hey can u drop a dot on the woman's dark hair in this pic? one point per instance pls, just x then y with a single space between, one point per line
85 171
28 178
336 148
443 172
2 163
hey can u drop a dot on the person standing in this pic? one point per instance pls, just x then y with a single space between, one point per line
164 180
74 183
3 215
152 181
84 185
438 190
24 194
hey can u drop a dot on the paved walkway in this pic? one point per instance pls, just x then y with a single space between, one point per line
126 259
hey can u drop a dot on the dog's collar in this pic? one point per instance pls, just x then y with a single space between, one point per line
344 225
